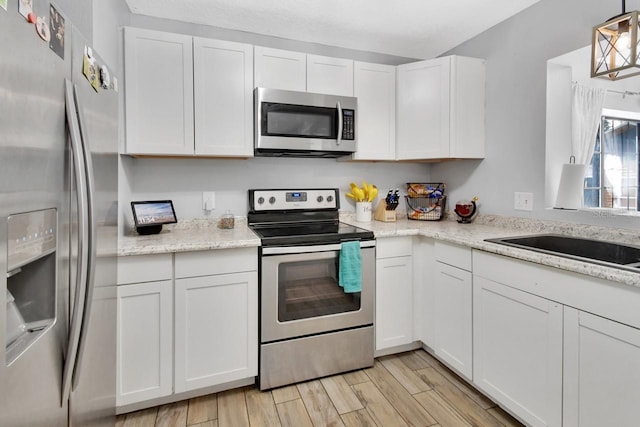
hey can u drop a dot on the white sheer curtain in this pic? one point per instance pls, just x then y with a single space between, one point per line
586 109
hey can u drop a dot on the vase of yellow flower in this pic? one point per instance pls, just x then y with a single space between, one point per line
364 198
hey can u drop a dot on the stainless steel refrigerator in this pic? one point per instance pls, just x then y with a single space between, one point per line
58 226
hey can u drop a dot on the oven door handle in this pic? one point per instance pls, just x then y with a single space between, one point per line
285 250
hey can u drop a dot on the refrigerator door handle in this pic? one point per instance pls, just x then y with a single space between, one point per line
83 248
92 239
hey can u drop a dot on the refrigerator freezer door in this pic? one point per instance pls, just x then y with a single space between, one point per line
32 177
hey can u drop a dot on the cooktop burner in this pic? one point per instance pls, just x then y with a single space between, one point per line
310 233
300 217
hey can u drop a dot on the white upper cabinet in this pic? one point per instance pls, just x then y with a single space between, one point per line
223 76
440 109
166 116
159 92
333 76
280 69
289 70
375 87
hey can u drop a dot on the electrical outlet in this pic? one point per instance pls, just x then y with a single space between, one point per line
523 201
208 200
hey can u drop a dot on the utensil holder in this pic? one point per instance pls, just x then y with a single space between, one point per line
363 211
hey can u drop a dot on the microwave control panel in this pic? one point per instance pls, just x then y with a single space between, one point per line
348 125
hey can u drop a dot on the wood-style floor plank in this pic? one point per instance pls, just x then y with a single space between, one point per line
399 397
210 423
467 407
319 406
356 377
202 409
144 418
364 397
441 410
359 418
381 411
284 394
293 414
413 360
262 408
172 415
232 409
405 376
341 394
475 395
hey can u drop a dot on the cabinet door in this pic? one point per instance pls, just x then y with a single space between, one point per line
223 76
159 92
452 318
394 301
601 371
517 347
467 138
216 330
145 332
280 69
375 88
423 109
333 76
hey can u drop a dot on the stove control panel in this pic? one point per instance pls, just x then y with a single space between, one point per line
277 200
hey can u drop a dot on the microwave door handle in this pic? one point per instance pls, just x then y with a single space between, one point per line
340 123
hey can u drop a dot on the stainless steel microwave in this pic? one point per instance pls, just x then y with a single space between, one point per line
302 124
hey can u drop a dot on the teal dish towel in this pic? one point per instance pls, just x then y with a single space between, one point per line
350 274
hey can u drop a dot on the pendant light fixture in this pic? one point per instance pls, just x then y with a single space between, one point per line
614 52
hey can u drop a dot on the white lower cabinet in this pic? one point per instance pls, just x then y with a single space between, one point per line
452 317
394 292
197 329
215 330
517 354
452 298
145 336
601 371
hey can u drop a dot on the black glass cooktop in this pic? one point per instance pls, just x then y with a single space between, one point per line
309 233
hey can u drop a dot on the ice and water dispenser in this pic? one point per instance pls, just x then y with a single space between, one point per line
31 279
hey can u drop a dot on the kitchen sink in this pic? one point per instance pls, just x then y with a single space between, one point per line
610 254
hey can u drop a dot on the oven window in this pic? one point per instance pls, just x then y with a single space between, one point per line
309 289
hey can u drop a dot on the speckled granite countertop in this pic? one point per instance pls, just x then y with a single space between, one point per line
489 226
192 235
203 234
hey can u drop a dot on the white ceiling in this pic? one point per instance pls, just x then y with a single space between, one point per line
410 28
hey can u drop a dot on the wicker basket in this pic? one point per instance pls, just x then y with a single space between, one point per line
425 208
428 189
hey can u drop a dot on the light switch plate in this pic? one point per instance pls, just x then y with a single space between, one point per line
523 201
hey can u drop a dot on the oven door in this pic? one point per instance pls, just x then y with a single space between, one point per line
300 294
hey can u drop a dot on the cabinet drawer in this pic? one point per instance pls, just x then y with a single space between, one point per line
390 247
452 254
144 268
221 261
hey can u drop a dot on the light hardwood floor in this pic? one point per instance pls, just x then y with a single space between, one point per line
407 389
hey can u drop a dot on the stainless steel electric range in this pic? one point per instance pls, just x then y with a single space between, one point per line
309 326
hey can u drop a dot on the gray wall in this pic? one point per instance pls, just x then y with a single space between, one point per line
184 180
517 51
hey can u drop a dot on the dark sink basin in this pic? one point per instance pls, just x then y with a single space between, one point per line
616 255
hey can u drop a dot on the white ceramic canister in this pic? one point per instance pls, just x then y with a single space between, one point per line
363 211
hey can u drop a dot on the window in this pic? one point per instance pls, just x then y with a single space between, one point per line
612 176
